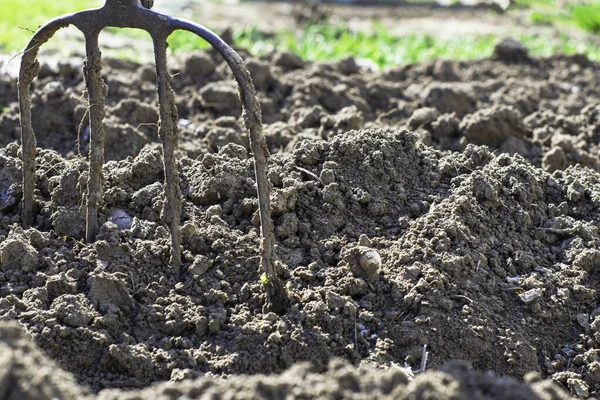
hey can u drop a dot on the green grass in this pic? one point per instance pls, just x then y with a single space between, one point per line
315 42
327 42
18 19
587 17
183 42
547 12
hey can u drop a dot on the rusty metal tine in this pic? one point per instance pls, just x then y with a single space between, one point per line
168 132
97 90
253 121
27 73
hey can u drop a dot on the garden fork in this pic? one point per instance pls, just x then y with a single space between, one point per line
138 14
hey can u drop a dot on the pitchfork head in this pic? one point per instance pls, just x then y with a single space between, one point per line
137 14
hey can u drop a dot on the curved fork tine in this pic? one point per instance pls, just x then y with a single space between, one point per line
28 71
167 132
96 98
276 293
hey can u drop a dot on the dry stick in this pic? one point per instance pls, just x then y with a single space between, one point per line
97 90
277 298
28 71
424 359
167 132
356 329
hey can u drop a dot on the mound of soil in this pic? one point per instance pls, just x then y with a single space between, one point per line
450 205
28 374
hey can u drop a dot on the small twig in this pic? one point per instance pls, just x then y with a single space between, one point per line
148 124
560 231
51 168
309 173
310 211
13 57
424 359
26 29
33 47
460 297
513 288
356 329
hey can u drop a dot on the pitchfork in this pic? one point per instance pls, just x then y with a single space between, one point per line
138 14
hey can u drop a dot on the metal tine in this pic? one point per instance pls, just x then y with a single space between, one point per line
97 91
276 293
168 134
30 67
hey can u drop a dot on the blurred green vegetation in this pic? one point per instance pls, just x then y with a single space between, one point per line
581 14
322 42
328 42
20 18
587 17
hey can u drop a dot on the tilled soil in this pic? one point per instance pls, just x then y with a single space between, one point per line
452 205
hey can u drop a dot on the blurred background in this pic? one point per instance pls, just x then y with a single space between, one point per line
378 33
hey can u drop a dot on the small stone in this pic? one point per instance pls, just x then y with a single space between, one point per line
584 320
578 387
370 262
121 219
200 265
566 142
364 240
530 296
188 230
362 261
214 210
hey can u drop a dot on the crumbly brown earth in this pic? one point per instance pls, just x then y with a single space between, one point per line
396 228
